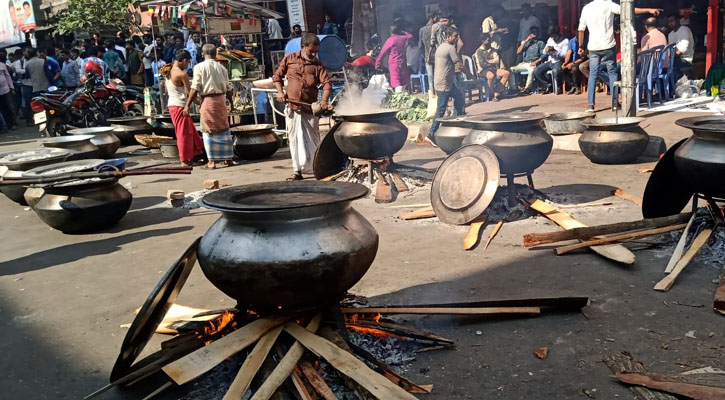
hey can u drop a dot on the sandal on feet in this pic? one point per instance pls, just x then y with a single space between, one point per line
295 177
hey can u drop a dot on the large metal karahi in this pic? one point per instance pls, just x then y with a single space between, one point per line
127 127
667 192
567 122
254 142
80 145
517 139
465 184
613 140
371 136
287 244
103 138
449 137
19 161
329 159
700 160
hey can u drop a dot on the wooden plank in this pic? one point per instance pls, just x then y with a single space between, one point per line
697 392
202 360
158 391
399 183
388 373
251 365
348 364
383 191
617 238
420 205
446 311
625 362
300 387
586 233
418 214
719 302
614 252
680 248
316 381
286 365
401 330
701 240
333 335
582 205
493 233
473 235
626 196
334 176
558 303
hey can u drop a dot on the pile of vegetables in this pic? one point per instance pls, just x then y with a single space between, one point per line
412 108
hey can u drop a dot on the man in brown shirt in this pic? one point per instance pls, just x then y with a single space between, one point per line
305 73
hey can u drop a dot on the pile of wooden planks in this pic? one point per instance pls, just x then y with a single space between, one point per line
296 341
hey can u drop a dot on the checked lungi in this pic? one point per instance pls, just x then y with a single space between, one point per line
218 140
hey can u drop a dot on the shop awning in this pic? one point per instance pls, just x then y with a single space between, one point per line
236 5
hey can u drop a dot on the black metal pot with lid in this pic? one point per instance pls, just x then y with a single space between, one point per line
287 244
19 161
370 136
700 160
80 145
449 136
613 140
254 142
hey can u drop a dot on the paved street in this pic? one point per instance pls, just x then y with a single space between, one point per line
64 297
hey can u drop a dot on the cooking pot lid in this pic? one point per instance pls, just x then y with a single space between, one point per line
498 118
127 119
32 155
465 184
612 122
570 116
97 130
369 116
709 123
66 139
329 159
251 129
64 168
273 196
153 311
666 193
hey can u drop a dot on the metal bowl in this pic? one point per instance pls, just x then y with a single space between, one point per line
127 127
103 137
613 140
80 145
566 123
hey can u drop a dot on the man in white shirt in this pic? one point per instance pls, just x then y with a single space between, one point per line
554 53
274 31
527 21
598 18
685 44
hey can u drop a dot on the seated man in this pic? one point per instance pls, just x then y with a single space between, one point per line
685 47
489 66
570 67
531 50
554 53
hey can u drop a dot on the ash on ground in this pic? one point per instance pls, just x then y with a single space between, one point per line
415 179
214 384
193 200
711 254
499 209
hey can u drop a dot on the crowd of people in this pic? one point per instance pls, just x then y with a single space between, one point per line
542 60
136 60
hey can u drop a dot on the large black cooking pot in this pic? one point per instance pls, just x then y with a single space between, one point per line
22 160
700 160
371 136
163 125
126 128
80 145
613 140
103 138
449 137
287 244
517 139
255 142
78 206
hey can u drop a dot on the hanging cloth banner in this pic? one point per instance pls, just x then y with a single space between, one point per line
173 12
157 11
240 18
228 11
163 11
216 9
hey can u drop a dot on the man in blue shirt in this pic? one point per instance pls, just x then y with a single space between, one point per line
330 27
570 67
52 68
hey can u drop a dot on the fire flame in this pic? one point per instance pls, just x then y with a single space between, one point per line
353 319
218 324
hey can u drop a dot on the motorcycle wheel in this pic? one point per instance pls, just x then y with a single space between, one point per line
54 127
134 110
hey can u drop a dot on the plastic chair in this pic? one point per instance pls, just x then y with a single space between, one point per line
553 80
645 60
482 82
421 76
469 84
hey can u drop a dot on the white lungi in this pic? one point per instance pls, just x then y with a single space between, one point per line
304 137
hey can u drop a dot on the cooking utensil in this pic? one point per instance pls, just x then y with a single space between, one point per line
315 107
449 137
287 244
255 142
613 140
700 160
103 138
371 136
80 145
329 159
667 192
169 149
152 312
465 184
127 127
566 123
22 160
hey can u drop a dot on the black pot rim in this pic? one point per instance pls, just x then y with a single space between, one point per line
696 123
232 199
